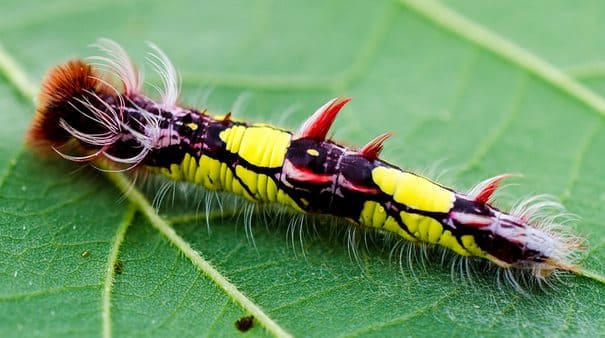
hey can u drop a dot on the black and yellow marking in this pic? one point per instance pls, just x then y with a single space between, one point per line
265 164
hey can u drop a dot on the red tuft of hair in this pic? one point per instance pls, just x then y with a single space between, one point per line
62 84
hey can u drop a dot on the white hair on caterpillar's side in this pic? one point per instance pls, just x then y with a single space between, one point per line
201 96
170 79
248 212
548 217
412 256
263 212
296 224
463 269
151 126
460 267
543 211
287 113
436 171
208 205
352 243
511 279
160 194
118 63
241 102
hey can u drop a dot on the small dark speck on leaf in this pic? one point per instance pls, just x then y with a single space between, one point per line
245 323
85 253
118 267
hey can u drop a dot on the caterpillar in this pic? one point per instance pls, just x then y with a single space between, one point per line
84 117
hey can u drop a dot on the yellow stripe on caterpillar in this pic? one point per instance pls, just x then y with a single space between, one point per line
373 214
393 226
471 246
424 228
414 191
260 145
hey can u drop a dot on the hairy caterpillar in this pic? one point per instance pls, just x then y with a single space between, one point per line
85 118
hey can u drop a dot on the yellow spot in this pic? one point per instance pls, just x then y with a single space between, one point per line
449 241
424 228
208 173
380 215
222 118
391 225
372 215
414 191
261 187
471 246
434 232
192 126
271 194
250 180
233 137
175 172
313 152
188 173
367 212
226 177
284 199
192 169
386 179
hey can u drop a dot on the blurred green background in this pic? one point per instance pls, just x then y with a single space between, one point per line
459 101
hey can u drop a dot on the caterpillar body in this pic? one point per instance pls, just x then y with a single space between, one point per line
85 118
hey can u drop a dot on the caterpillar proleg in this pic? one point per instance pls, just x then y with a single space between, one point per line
84 117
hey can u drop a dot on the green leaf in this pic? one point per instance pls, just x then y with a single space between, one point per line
477 88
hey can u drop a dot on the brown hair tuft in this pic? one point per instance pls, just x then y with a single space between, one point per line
62 84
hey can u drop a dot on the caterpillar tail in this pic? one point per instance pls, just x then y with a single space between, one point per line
98 114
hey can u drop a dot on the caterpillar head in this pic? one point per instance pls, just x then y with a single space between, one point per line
81 114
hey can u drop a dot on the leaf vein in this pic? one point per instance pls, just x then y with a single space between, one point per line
368 51
110 269
499 130
407 317
574 173
46 292
317 294
474 33
137 198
